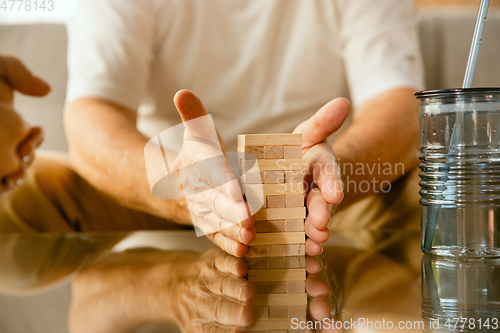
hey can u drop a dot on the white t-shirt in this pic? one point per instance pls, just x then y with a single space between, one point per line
259 66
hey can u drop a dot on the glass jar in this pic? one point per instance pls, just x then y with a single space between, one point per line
460 171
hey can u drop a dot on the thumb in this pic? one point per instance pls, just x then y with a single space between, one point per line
188 105
18 77
324 123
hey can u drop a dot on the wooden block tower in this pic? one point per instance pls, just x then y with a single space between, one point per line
276 258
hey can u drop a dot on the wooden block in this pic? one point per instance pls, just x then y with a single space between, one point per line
274 325
294 201
251 177
257 251
289 164
259 263
294 262
273 152
275 189
272 287
280 299
276 201
274 238
297 311
294 225
260 226
275 226
292 213
295 249
256 151
294 176
292 152
296 286
277 263
286 274
247 140
278 311
274 177
276 250
262 311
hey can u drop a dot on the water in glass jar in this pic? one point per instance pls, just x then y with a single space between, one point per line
460 180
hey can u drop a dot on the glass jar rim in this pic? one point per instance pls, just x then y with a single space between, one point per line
456 92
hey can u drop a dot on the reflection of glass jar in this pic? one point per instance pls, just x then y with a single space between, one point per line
465 293
460 171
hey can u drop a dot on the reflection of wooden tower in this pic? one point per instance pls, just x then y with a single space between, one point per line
276 258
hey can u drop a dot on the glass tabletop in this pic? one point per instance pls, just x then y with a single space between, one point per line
173 281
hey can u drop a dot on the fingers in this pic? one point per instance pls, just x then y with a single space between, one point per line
316 224
319 216
328 180
324 122
240 234
313 248
188 105
229 312
313 265
228 285
317 287
320 308
229 245
18 77
228 209
231 265
323 170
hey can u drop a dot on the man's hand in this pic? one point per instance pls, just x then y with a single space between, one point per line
321 174
18 141
215 201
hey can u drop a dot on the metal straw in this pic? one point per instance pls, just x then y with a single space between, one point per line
433 214
476 43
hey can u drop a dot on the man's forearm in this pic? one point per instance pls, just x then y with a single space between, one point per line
380 145
107 150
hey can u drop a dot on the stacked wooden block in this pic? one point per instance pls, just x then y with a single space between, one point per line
276 258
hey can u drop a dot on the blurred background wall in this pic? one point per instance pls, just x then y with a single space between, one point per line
446 27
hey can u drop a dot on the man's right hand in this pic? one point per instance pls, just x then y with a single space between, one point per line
18 140
217 207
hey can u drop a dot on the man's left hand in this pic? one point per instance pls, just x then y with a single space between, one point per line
321 174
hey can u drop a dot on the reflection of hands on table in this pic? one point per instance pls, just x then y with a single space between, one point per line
18 140
200 293
321 303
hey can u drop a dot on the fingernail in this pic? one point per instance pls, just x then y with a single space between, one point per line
241 293
322 248
239 234
235 267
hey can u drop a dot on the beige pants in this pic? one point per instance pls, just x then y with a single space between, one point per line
54 198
